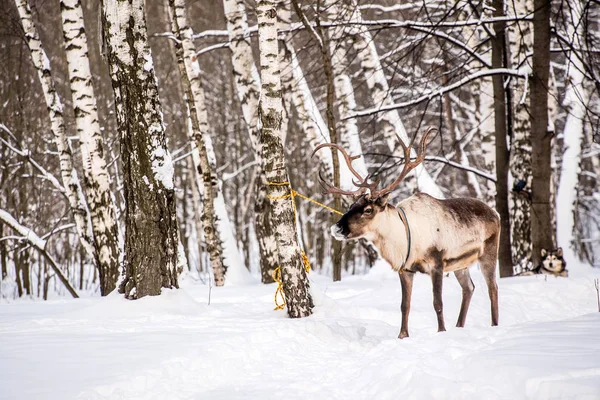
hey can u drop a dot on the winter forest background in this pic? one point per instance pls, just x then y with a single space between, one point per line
362 74
158 163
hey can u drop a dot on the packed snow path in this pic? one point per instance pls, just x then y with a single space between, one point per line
175 346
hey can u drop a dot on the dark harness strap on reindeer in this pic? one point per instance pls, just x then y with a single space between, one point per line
404 220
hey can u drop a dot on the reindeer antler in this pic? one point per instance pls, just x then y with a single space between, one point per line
408 165
363 183
334 190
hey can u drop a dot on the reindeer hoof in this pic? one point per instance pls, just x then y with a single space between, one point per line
403 335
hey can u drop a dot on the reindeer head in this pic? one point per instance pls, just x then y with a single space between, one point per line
366 214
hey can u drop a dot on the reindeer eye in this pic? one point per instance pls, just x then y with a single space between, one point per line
368 210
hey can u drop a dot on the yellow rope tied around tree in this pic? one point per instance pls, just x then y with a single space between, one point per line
279 290
277 272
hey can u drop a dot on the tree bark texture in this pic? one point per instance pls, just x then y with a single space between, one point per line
521 42
151 234
542 230
95 174
502 148
294 277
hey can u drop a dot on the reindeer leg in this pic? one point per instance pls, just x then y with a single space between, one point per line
464 279
487 262
437 277
406 279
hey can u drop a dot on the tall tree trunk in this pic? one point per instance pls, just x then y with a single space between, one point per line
293 275
55 110
345 99
247 84
520 38
502 148
3 255
151 254
194 94
542 232
576 101
95 173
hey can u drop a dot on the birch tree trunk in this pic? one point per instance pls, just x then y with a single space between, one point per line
313 125
96 178
393 128
55 111
521 42
542 228
576 101
345 100
247 84
194 94
218 233
295 281
151 234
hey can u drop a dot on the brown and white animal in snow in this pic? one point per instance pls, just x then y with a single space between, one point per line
423 234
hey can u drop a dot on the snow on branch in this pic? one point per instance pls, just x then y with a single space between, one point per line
439 92
467 168
27 155
37 242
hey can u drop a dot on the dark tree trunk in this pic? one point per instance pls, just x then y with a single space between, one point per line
151 233
502 152
264 232
541 139
26 269
18 276
3 255
81 267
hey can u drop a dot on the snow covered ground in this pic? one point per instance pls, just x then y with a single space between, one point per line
175 346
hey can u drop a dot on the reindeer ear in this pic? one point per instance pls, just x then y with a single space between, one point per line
544 252
382 201
559 252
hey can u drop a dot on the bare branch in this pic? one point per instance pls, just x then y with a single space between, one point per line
439 92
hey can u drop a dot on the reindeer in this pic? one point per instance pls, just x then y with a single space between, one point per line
422 234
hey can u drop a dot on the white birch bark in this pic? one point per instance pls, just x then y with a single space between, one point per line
55 110
485 121
344 99
96 178
247 83
393 128
229 261
295 281
576 100
313 125
521 44
152 247
244 69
